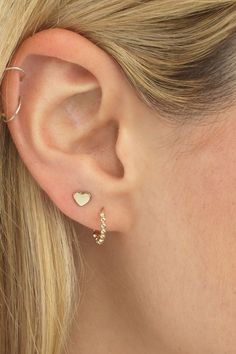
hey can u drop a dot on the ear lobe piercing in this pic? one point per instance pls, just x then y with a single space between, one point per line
19 104
82 198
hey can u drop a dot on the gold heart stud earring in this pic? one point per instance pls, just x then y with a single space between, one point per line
82 198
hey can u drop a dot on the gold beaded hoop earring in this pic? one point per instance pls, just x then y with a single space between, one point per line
100 236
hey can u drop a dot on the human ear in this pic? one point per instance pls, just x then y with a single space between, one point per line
70 130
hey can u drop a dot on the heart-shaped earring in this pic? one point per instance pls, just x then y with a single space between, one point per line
82 198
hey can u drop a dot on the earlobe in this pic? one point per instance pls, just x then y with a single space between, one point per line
67 128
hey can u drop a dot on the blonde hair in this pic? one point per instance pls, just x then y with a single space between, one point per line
181 59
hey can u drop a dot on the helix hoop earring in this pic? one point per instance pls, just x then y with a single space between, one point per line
14 115
19 104
100 236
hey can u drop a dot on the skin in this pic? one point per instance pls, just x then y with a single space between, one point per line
164 281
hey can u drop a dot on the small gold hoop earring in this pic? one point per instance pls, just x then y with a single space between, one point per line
14 115
15 68
100 236
19 104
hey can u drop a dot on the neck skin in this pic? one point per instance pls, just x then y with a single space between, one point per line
110 318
